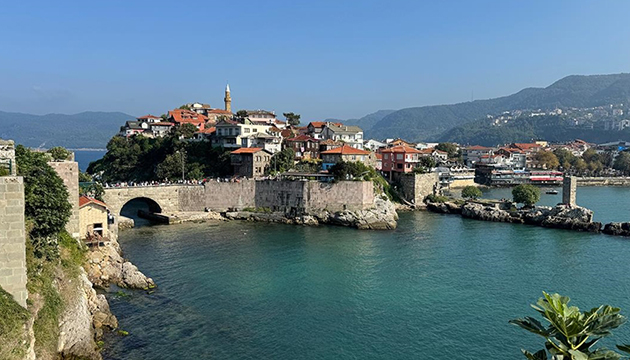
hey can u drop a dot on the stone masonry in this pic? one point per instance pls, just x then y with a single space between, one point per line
68 171
415 187
7 156
13 238
569 190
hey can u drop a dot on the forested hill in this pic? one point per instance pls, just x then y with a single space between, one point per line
550 128
83 130
429 122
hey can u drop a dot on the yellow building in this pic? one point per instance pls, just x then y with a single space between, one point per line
92 217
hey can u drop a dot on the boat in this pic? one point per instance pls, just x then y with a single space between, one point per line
552 192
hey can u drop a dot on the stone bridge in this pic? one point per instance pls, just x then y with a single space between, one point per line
161 199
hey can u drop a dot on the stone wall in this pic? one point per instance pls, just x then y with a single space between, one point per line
192 198
68 171
221 196
13 238
415 187
569 191
603 181
167 197
344 195
7 156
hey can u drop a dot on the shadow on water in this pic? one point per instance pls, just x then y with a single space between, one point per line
132 208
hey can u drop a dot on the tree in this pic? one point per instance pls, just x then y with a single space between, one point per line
45 197
186 131
59 153
526 194
292 119
548 159
580 165
350 170
281 161
565 158
622 162
450 148
590 155
184 107
171 167
241 114
572 333
471 192
427 162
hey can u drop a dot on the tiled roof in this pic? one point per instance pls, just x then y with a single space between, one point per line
246 151
344 129
186 116
219 111
209 130
346 150
329 142
146 117
302 138
526 146
478 147
84 200
162 123
404 149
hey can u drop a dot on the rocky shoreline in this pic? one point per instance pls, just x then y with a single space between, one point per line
382 216
575 218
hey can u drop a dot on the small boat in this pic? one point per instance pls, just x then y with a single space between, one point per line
552 192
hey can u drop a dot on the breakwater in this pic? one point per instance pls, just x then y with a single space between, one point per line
603 181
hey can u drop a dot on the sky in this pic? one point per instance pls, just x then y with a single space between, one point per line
321 59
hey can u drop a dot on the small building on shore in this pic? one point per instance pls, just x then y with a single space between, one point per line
250 162
93 219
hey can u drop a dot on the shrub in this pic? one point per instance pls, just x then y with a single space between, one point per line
471 192
435 198
59 153
526 194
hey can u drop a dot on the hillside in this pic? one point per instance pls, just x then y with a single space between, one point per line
368 121
428 122
83 130
550 128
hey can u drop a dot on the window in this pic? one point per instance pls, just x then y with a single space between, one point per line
255 130
399 156
399 166
386 156
246 130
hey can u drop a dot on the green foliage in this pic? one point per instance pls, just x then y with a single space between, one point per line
292 119
137 159
622 162
349 170
12 335
526 194
427 162
92 189
471 192
59 153
185 131
45 196
435 198
241 114
281 161
571 333
4 171
450 148
420 170
547 159
73 253
309 165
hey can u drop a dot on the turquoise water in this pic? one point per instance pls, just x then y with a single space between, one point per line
439 287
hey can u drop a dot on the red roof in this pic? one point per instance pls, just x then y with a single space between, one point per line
84 200
219 111
321 124
403 149
148 117
302 138
186 116
478 147
346 150
162 123
246 151
210 130
526 146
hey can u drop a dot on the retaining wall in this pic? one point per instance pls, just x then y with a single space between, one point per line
68 171
13 238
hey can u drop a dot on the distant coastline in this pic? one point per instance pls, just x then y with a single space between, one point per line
87 149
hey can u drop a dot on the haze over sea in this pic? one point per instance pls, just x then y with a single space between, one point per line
438 287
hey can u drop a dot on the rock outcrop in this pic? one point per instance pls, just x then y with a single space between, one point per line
559 217
382 216
106 265
617 228
83 320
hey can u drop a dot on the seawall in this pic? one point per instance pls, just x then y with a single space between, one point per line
603 181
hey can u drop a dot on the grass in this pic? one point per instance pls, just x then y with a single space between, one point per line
13 317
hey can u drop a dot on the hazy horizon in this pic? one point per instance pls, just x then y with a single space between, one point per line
322 60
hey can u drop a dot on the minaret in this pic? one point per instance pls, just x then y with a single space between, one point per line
228 99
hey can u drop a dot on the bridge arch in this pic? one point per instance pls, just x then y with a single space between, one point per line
130 208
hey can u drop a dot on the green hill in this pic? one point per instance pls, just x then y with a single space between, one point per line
83 130
429 122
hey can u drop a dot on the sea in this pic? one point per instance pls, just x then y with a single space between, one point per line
85 157
437 287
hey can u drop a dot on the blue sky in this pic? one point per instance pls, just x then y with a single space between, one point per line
321 58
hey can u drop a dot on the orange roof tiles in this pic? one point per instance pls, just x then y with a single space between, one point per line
346 150
403 149
302 138
186 116
84 200
246 151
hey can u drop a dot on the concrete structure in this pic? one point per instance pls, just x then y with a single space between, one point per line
343 153
250 162
7 156
351 135
228 99
68 171
13 238
286 196
92 217
569 190
415 187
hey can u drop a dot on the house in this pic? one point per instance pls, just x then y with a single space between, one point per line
160 129
133 127
329 145
315 129
93 218
343 153
304 146
400 159
472 154
262 117
250 162
351 135
438 155
216 115
206 134
231 133
516 158
184 116
399 142
269 142
373 145
149 118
